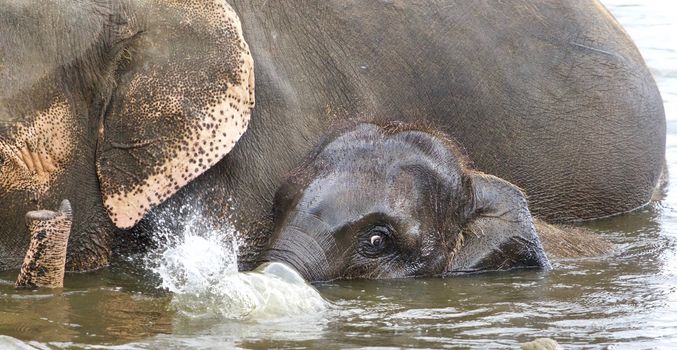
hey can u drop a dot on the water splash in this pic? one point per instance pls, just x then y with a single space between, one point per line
198 264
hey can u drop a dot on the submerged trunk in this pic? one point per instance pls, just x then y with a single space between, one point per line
45 261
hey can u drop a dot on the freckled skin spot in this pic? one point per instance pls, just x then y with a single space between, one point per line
39 151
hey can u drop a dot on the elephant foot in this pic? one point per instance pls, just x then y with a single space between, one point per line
45 261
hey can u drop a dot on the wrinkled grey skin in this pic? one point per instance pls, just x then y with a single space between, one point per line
553 98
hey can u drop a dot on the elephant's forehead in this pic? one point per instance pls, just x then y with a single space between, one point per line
346 196
39 38
369 149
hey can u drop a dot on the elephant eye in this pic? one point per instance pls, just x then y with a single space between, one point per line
376 242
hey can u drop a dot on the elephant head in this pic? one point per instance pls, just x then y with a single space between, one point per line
395 201
114 105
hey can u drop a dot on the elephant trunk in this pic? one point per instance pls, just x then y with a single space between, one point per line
45 261
302 244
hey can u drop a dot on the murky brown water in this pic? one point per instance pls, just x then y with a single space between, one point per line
625 300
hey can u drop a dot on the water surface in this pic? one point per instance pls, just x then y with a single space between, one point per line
627 300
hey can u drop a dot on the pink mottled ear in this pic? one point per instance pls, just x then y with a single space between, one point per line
182 102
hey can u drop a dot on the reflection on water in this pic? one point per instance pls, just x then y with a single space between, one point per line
628 300
94 308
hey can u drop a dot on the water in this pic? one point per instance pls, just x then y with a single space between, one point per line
198 265
624 301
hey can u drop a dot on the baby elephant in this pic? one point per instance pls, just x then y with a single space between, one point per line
397 200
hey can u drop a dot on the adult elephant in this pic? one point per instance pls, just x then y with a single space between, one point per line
551 97
113 105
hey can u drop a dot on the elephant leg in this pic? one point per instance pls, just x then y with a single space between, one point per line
45 261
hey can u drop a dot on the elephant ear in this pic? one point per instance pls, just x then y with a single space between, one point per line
501 233
182 101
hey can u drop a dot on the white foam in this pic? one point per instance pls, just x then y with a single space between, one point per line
199 265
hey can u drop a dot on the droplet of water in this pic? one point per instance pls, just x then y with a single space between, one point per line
199 265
